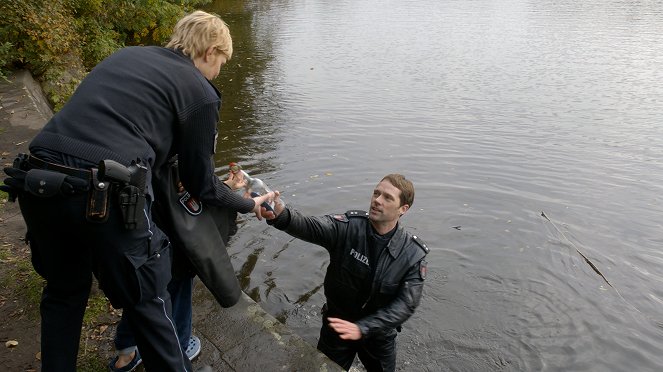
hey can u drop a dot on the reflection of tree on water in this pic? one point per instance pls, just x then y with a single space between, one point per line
305 297
249 113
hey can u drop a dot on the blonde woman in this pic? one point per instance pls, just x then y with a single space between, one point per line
137 108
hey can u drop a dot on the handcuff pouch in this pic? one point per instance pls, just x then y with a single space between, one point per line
44 183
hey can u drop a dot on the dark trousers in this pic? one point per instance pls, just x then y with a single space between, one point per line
132 267
376 354
181 291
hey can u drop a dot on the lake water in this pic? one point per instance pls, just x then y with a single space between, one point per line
497 111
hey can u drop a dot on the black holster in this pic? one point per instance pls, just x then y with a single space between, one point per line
132 203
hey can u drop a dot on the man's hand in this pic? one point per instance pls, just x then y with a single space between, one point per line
261 211
346 330
278 208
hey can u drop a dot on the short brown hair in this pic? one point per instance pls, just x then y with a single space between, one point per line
403 184
198 31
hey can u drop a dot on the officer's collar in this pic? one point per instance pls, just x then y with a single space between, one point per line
395 245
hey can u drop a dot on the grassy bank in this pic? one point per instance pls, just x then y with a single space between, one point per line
59 41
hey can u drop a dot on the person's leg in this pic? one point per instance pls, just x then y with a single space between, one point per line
62 308
181 292
379 355
133 268
125 344
60 258
340 351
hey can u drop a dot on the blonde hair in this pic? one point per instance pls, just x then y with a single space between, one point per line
198 31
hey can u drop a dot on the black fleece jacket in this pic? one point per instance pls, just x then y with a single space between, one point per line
145 103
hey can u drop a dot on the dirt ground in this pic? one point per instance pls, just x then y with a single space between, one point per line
20 286
19 306
20 320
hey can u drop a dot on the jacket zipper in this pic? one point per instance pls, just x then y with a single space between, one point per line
378 270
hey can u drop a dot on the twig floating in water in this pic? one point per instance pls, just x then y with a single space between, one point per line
590 263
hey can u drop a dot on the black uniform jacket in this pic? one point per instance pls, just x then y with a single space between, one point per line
378 304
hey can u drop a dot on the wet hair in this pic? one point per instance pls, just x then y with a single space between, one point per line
198 31
403 184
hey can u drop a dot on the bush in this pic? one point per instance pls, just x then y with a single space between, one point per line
60 40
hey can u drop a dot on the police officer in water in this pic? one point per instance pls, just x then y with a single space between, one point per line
375 276
85 189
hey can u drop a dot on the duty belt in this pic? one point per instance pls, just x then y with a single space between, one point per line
44 179
36 163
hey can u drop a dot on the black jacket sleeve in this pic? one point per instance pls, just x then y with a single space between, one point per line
322 230
196 168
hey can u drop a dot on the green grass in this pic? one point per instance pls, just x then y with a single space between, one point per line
25 283
97 307
90 362
26 287
19 277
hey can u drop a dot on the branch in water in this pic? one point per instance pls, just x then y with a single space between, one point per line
591 264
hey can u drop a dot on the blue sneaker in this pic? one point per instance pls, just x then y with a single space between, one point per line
135 362
193 348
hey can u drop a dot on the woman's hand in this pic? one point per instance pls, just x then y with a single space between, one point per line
235 180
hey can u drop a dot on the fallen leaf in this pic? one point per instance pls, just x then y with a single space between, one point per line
11 343
38 355
102 329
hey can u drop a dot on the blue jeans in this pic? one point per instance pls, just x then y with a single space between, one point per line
181 294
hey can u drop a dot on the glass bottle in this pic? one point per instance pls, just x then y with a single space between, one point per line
257 187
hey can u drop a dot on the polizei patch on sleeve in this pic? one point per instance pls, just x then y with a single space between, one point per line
191 204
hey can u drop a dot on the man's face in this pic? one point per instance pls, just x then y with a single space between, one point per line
386 203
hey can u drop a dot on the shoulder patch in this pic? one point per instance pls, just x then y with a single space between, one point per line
356 213
421 243
423 269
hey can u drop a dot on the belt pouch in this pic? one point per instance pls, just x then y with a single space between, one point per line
44 183
98 200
